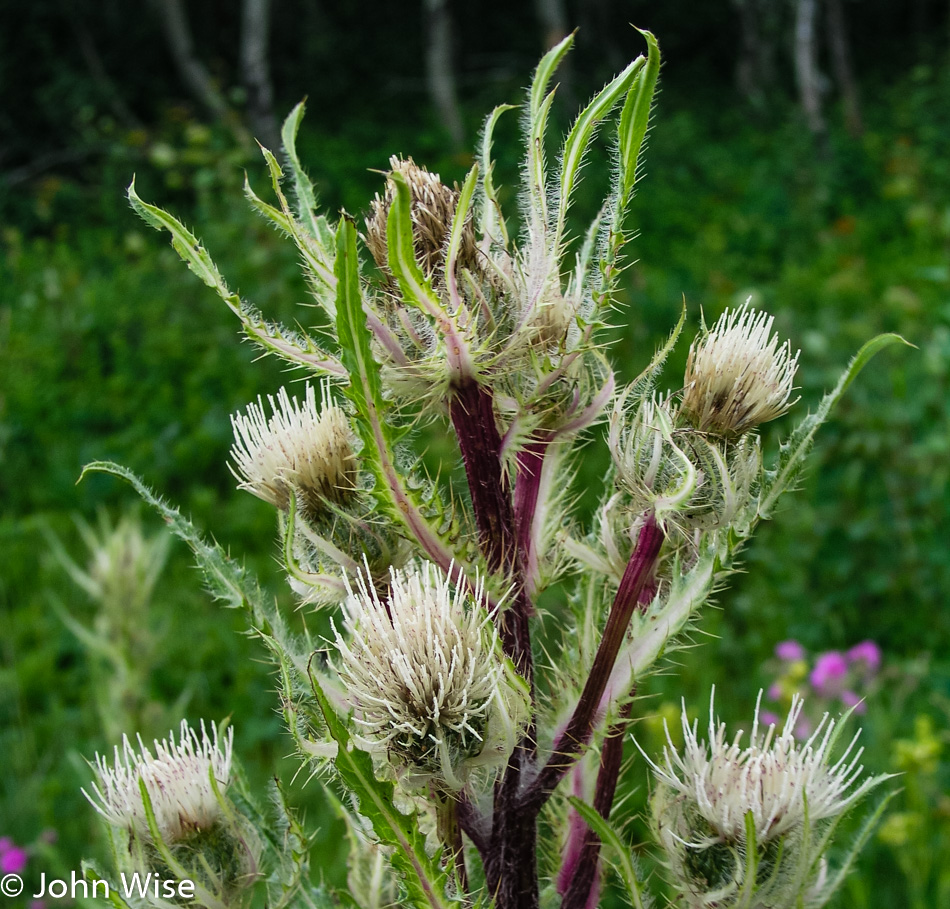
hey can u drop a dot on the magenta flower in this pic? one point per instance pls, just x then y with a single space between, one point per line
12 857
775 692
790 651
829 669
866 652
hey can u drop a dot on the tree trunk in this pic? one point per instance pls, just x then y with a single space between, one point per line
807 74
255 71
192 71
755 64
439 74
842 67
552 16
93 60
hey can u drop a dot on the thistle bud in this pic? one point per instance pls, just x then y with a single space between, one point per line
297 448
651 466
433 207
737 376
172 813
689 480
742 826
432 693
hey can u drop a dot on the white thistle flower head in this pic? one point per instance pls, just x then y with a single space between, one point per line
432 693
714 793
177 778
737 376
298 448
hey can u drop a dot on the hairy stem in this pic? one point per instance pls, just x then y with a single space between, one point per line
638 573
527 487
450 833
578 892
473 417
510 855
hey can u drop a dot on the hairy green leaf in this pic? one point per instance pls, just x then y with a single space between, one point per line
619 851
425 881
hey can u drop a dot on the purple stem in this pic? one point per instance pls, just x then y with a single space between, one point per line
577 733
510 855
530 464
584 883
473 417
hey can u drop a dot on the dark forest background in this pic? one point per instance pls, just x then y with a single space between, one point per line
800 156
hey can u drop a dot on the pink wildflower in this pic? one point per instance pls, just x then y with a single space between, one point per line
12 858
790 651
866 652
769 719
829 669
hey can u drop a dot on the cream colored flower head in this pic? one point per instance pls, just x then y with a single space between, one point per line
432 693
298 448
712 794
177 778
737 376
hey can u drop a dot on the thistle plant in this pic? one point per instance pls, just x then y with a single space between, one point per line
750 826
119 577
169 815
430 704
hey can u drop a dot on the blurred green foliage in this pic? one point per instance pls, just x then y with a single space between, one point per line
112 350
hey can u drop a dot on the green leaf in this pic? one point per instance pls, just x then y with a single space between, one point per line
307 237
303 187
642 387
272 214
491 221
539 104
425 881
620 852
186 245
860 841
365 391
545 69
462 209
582 132
294 347
635 118
227 580
237 588
794 450
415 287
91 872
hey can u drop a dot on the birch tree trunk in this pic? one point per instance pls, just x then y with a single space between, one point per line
190 68
255 71
440 76
755 64
807 74
842 67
